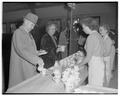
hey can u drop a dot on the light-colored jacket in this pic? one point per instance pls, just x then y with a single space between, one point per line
23 57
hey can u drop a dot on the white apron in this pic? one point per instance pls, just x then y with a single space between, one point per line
96 71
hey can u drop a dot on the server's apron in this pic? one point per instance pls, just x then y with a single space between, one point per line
96 71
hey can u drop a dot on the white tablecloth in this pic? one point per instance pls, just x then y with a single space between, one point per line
45 84
38 84
95 89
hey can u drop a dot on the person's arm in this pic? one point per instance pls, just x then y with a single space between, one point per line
89 49
20 43
62 38
47 46
109 44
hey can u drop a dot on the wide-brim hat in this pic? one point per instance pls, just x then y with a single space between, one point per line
31 17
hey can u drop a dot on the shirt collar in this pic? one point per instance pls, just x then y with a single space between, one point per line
94 32
22 28
106 36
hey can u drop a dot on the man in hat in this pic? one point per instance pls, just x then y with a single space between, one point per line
24 55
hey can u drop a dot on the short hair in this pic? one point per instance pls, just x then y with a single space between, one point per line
90 22
49 24
106 26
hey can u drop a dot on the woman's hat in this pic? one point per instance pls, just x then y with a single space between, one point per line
32 17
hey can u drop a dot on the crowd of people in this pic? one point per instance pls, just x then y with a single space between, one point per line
25 57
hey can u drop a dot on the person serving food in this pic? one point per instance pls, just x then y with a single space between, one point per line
95 50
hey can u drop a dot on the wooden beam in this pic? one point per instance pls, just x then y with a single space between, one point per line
33 6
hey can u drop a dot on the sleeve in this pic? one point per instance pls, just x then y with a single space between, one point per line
109 45
81 40
62 39
112 56
91 42
20 44
46 45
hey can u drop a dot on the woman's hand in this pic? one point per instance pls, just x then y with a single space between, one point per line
40 63
80 65
61 48
41 52
58 50
79 61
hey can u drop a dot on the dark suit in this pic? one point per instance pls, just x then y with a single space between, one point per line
48 44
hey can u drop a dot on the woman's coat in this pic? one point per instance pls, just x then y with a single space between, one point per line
23 57
49 45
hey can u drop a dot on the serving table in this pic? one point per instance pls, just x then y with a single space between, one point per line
45 84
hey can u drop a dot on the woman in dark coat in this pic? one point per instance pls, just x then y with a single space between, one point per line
49 44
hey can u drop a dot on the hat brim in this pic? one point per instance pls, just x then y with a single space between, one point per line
30 21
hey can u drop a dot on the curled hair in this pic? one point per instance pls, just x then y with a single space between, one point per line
91 23
106 26
49 24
